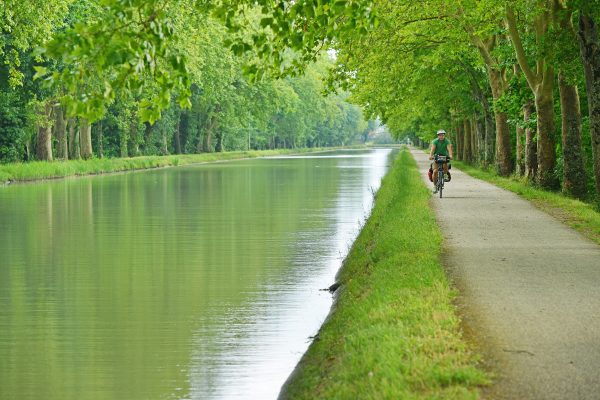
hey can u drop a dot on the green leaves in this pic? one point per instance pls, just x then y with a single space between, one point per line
39 71
408 65
127 47
131 46
290 34
266 22
26 25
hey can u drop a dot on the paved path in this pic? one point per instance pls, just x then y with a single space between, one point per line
529 288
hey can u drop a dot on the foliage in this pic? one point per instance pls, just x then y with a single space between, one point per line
120 63
26 25
130 45
412 71
438 63
14 127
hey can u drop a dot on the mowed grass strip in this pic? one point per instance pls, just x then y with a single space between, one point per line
38 170
578 215
393 332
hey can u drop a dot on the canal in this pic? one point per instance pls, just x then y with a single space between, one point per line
196 282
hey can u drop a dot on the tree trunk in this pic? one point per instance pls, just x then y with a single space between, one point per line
520 150
43 148
73 140
481 140
28 149
184 131
164 145
530 144
100 139
520 137
544 106
200 144
60 132
44 135
123 139
574 178
458 145
590 53
474 144
133 136
541 82
177 136
220 147
482 127
488 141
466 156
503 153
85 139
148 129
207 138
206 141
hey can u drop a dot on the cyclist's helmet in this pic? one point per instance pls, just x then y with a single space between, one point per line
441 132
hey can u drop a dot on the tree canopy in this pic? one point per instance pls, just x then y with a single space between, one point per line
496 74
129 77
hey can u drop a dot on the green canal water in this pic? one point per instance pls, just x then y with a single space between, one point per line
197 282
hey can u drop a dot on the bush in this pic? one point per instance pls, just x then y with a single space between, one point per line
14 127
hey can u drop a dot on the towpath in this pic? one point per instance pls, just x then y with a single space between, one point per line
529 290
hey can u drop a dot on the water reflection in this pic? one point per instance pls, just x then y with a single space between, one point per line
196 282
262 342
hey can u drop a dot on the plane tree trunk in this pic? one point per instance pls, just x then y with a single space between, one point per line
43 148
541 82
574 177
590 54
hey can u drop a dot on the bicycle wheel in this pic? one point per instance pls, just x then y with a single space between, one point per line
440 182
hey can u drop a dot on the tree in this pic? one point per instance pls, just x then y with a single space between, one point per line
498 80
590 54
541 81
131 41
14 123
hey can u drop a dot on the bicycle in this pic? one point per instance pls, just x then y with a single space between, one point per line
440 161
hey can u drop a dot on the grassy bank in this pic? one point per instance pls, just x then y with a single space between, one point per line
36 170
394 333
577 214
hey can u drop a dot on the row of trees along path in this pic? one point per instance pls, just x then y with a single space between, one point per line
504 78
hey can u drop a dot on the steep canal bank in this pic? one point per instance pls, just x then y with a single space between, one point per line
393 331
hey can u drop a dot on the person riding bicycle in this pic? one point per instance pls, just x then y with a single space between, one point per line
443 147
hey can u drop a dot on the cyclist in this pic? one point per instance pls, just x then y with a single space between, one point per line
443 147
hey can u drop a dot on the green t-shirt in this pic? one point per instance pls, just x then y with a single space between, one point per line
441 148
